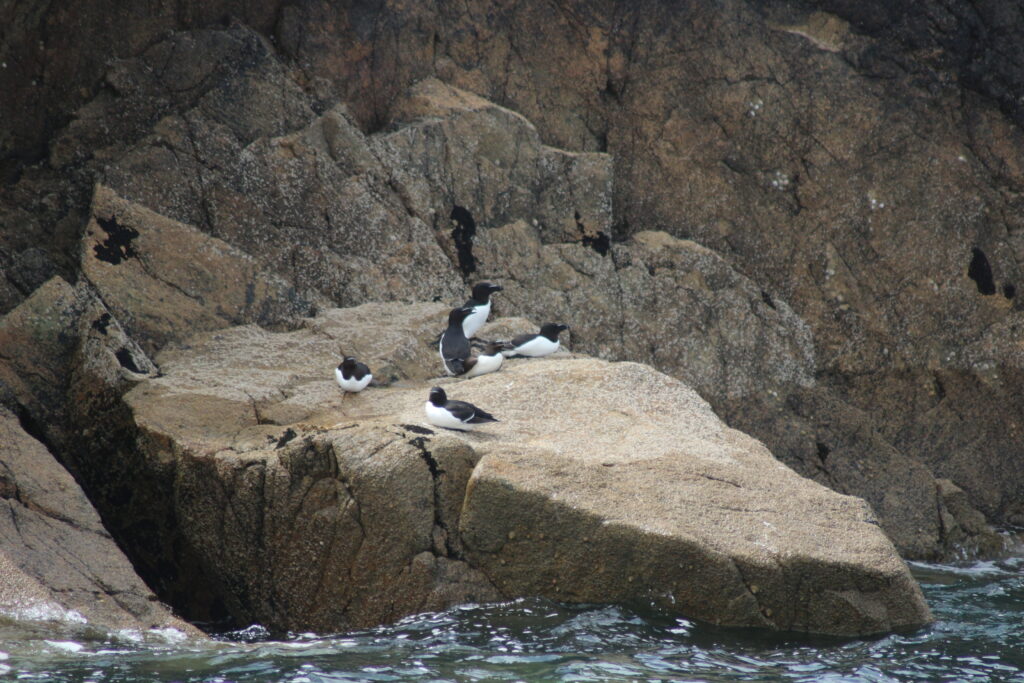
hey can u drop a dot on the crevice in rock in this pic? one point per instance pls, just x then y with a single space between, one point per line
753 590
724 481
101 323
599 242
449 551
981 272
462 234
416 429
127 361
288 435
117 247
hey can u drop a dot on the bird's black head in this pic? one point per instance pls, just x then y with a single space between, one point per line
438 397
457 315
349 363
551 330
483 290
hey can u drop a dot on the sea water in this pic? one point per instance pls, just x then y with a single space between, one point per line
978 636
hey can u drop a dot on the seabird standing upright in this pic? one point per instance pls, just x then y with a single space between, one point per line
352 375
454 414
481 305
536 345
485 360
454 346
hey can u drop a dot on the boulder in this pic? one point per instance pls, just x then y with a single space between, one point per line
602 481
65 357
459 157
615 482
165 280
57 563
68 364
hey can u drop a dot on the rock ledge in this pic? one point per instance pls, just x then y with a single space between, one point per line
603 482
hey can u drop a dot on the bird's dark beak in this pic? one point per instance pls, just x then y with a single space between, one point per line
496 288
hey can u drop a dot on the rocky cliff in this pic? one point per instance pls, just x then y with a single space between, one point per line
806 211
601 482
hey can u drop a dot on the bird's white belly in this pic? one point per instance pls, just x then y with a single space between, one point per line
540 346
475 320
485 364
352 384
442 418
440 351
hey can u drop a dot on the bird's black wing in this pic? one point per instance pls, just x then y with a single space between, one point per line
454 345
456 366
521 339
467 412
360 371
482 416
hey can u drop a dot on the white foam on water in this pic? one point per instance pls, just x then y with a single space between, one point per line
66 645
168 634
44 611
130 634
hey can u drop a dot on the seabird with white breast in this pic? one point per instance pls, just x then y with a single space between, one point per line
481 305
486 359
454 414
352 376
454 347
535 345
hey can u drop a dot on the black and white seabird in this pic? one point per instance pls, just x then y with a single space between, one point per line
481 305
454 347
352 375
486 359
535 345
454 414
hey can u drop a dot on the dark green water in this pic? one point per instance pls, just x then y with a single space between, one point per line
978 636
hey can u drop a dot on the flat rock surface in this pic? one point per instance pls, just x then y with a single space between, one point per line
602 482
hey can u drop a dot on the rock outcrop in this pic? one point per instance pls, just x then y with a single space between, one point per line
218 181
603 481
738 213
165 279
57 563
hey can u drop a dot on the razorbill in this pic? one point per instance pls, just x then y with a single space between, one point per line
454 414
352 375
454 347
535 345
486 359
481 305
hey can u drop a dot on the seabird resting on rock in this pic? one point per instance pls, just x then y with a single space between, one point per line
480 304
487 359
454 414
454 346
352 375
535 345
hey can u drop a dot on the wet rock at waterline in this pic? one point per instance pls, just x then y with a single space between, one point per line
602 482
57 563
